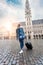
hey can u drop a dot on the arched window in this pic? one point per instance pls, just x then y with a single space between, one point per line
42 36
29 37
39 36
36 36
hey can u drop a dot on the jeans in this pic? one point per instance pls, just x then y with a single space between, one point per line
21 43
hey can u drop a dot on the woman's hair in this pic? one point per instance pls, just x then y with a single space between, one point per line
18 25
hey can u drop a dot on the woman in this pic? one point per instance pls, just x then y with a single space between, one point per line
20 36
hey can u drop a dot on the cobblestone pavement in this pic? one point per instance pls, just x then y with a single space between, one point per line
9 53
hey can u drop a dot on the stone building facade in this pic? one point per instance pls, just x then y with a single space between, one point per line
37 28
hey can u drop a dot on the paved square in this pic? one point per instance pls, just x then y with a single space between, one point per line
9 53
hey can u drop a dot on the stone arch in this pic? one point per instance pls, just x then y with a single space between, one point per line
29 37
39 36
42 36
36 36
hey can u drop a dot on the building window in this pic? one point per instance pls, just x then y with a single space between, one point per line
39 36
29 37
42 36
34 36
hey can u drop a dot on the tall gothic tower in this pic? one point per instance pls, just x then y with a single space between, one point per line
28 19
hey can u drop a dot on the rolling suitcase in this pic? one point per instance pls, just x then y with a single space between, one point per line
29 45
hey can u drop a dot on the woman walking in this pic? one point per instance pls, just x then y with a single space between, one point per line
20 36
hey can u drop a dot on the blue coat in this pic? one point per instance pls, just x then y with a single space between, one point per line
20 33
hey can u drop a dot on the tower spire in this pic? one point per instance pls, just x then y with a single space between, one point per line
28 20
27 4
27 9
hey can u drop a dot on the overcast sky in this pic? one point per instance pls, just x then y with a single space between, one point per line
14 10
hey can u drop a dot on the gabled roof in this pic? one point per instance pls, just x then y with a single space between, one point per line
40 21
